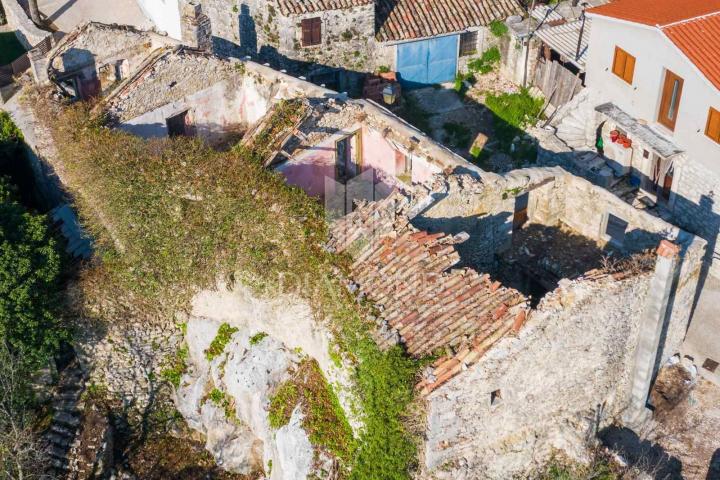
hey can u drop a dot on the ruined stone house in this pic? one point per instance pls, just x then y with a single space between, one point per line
549 303
95 57
426 43
335 148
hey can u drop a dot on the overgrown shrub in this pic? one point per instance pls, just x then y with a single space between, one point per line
171 215
512 113
222 338
487 61
498 28
323 418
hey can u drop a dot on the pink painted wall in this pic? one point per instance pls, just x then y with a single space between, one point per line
309 169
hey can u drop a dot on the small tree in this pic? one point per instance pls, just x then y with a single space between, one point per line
30 267
21 457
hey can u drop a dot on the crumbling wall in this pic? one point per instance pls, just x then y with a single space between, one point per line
563 375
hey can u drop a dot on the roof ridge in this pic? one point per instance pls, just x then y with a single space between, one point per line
687 20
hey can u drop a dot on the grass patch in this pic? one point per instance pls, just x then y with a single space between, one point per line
171 215
257 338
10 48
457 135
498 28
512 112
222 338
324 419
487 62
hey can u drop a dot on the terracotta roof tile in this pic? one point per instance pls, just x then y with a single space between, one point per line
656 12
694 27
699 39
415 19
408 274
290 7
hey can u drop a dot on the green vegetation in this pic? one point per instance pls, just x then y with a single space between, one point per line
512 113
257 338
560 468
282 404
30 270
487 62
222 338
184 214
10 48
177 367
383 69
216 396
498 28
324 419
457 135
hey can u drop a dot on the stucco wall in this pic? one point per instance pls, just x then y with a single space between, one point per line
165 14
654 53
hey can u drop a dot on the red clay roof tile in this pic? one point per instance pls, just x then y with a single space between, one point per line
693 26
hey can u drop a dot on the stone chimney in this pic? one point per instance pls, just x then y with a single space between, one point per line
195 27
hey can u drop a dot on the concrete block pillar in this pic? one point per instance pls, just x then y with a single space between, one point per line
651 327
39 66
195 26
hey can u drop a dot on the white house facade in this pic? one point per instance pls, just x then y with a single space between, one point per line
654 73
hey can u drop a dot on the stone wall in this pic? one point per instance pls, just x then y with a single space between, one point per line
25 30
257 28
695 207
567 368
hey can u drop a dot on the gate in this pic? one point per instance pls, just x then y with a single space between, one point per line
427 62
558 83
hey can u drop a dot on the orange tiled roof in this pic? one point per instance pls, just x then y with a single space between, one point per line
692 25
415 19
656 12
289 7
406 273
699 40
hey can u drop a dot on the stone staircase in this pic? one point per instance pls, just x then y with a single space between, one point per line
575 122
67 416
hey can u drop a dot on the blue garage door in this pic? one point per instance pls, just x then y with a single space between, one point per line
428 61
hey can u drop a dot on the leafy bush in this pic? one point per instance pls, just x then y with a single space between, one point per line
487 61
516 109
222 338
30 269
498 28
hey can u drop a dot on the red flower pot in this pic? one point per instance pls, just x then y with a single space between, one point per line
614 135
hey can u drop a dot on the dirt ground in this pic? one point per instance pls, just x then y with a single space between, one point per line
690 429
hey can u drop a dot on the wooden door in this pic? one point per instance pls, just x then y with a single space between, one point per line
670 102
